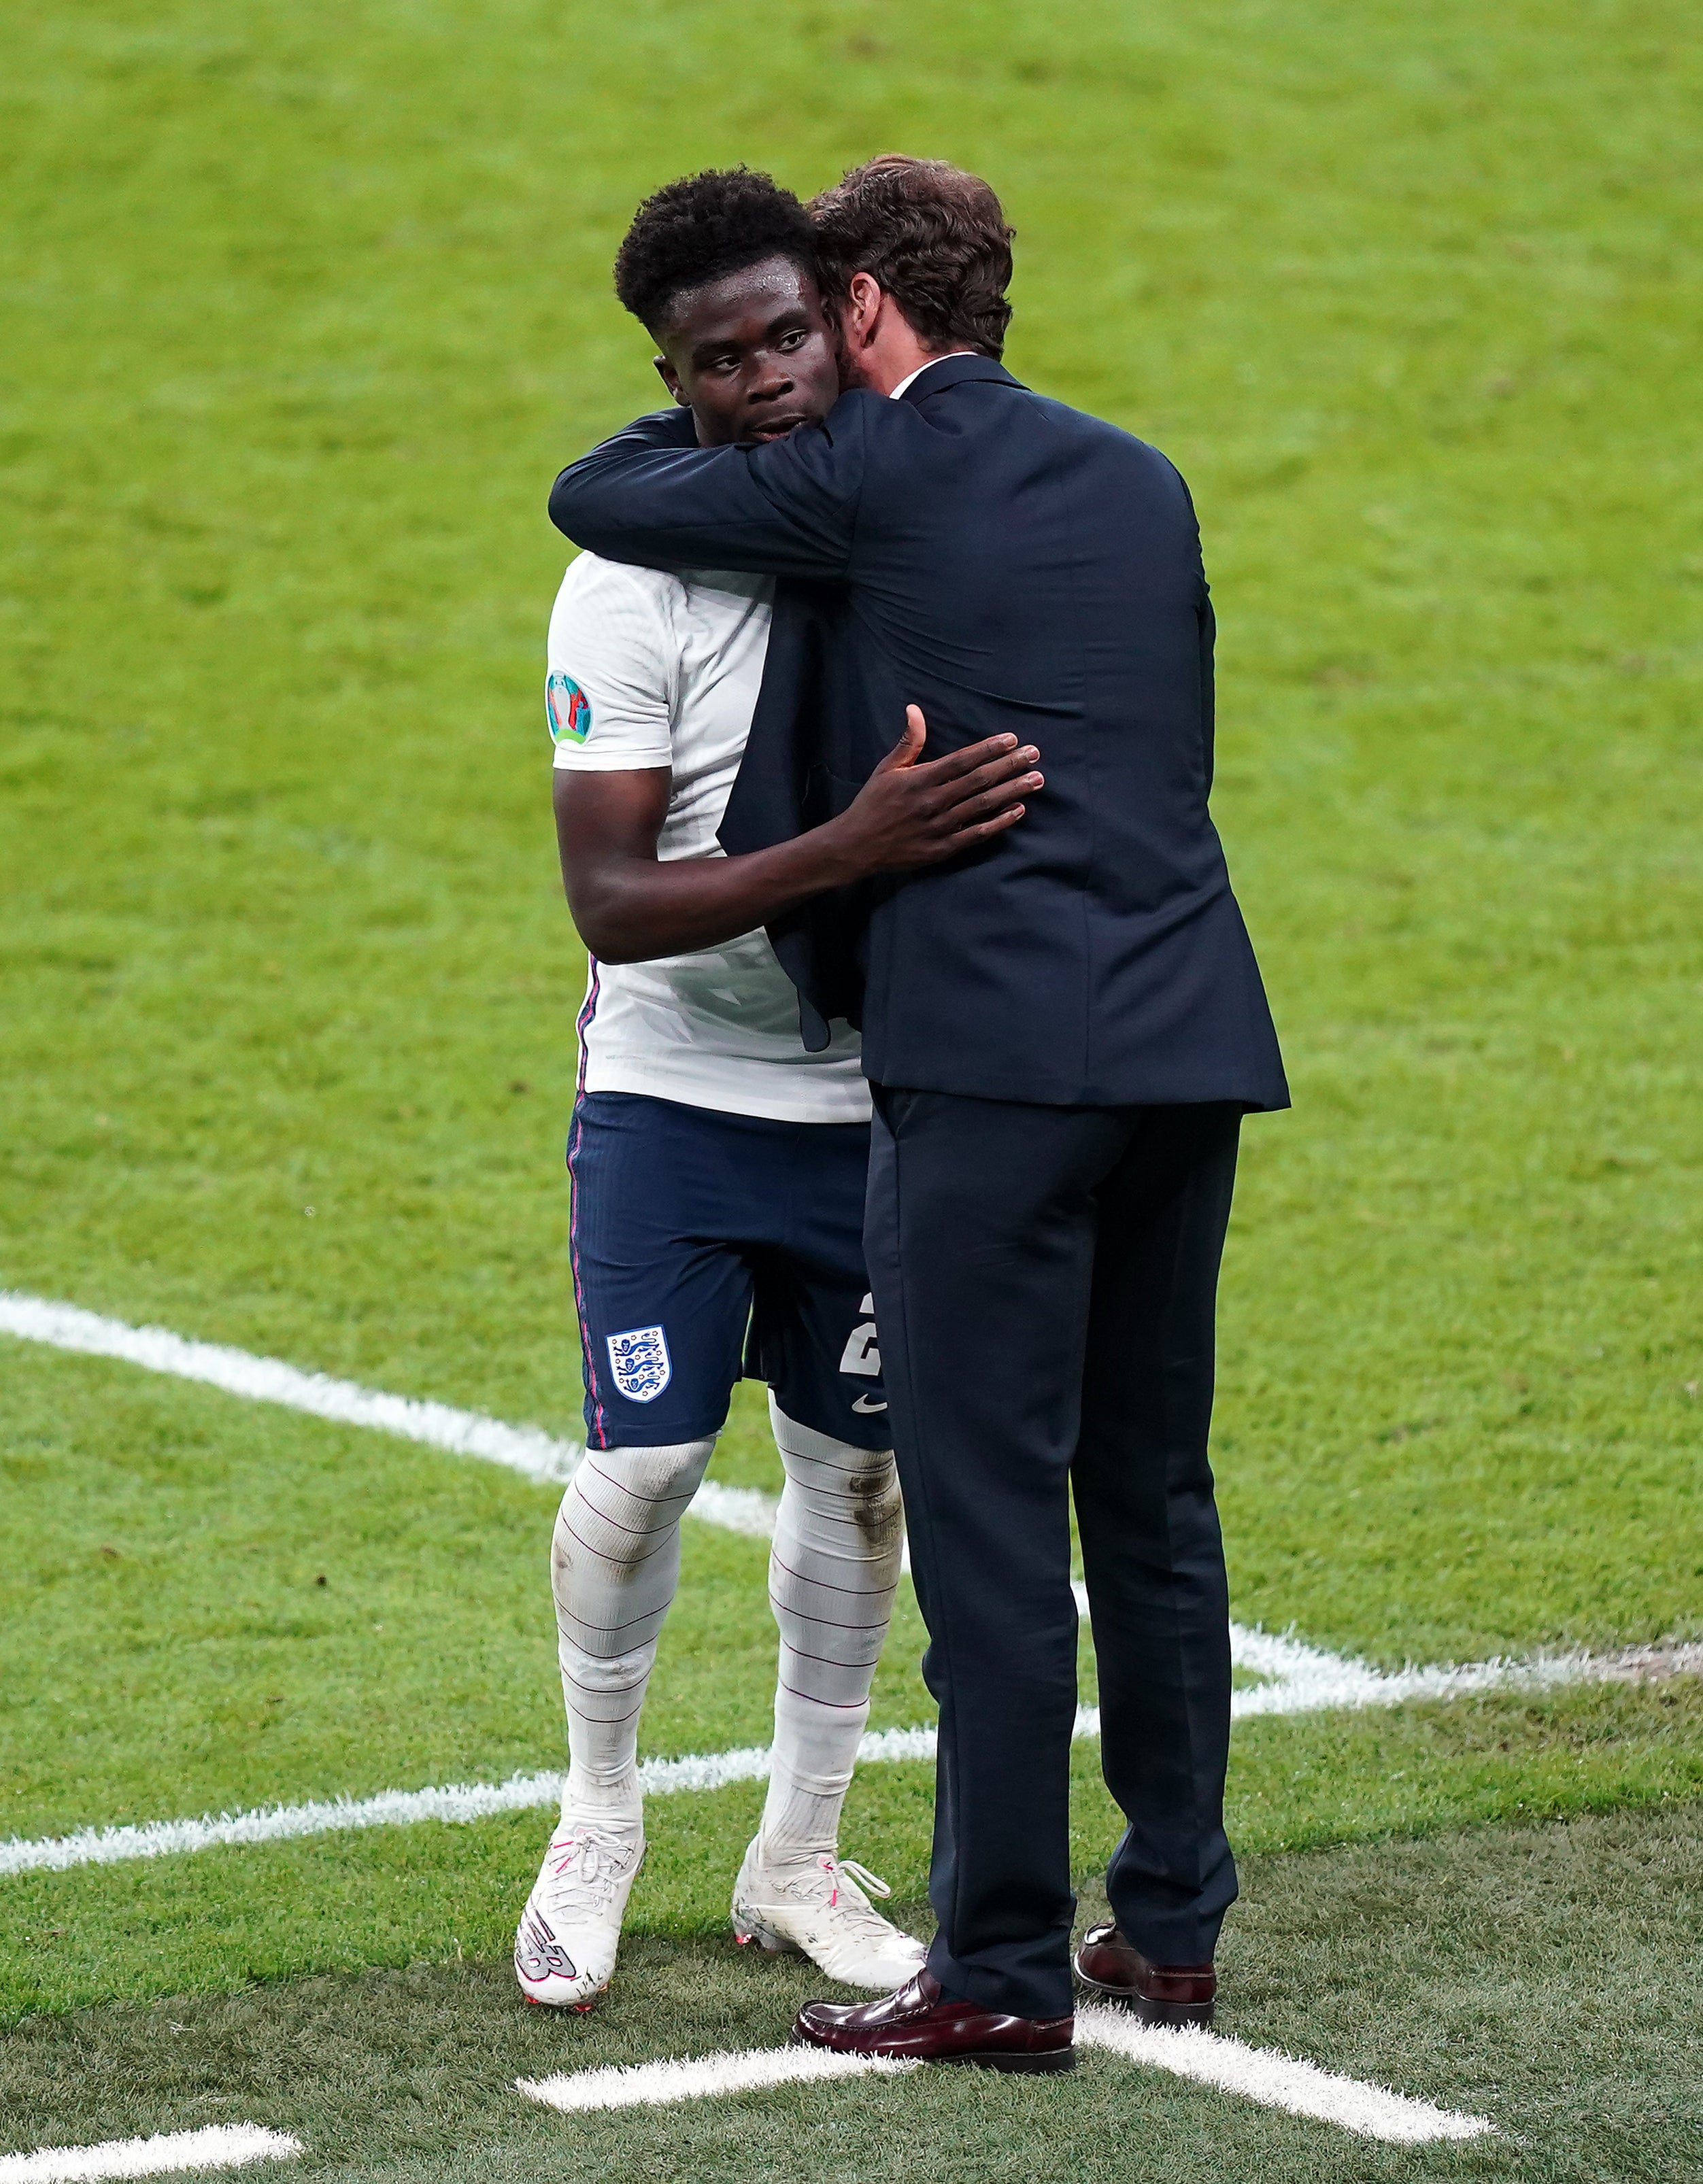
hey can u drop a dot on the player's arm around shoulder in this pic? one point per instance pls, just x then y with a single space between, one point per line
786 509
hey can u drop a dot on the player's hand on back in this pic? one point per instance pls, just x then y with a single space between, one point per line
914 811
633 907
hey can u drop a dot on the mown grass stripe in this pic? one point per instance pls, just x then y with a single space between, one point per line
216 2146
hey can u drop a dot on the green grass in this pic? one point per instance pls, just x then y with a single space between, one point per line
1540 1978
220 1603
217 1921
173 1650
303 312
303 309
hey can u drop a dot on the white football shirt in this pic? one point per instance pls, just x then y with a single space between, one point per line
649 669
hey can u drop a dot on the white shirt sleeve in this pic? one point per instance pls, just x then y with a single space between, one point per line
608 696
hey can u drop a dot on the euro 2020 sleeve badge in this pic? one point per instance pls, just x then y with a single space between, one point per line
568 709
639 1359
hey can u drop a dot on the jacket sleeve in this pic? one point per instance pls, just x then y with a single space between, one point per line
1208 708
1206 631
787 509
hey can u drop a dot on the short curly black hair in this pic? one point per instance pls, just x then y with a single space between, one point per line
702 228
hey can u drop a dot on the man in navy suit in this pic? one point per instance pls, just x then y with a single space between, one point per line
1064 1028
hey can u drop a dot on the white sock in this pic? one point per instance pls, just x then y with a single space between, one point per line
615 1563
832 1575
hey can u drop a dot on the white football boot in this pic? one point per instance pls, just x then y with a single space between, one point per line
814 1906
571 1929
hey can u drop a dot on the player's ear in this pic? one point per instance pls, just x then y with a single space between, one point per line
670 379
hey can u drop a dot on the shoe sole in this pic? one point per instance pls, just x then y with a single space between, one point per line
1042 2065
572 2008
1049 2062
1175 2014
749 1931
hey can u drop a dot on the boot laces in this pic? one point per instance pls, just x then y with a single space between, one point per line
858 1876
584 1865
837 1884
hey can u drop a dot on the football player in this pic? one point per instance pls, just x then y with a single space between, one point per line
717 1166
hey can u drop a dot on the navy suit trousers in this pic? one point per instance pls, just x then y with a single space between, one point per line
1045 1282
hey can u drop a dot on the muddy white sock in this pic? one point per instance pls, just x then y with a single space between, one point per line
833 1574
615 1563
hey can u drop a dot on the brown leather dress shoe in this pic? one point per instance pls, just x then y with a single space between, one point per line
1159 1994
918 2025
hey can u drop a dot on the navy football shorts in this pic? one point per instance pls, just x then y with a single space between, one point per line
708 1247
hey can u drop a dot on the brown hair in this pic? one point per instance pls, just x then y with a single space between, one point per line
936 239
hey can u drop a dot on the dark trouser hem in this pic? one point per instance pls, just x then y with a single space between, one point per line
1046 1990
1180 1941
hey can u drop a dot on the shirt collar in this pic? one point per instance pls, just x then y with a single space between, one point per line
911 377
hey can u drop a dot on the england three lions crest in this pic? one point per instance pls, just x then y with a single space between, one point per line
639 1359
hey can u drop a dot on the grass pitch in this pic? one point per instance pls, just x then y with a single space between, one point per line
303 310
1540 1978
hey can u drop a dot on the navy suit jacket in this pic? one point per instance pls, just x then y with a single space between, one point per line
1004 562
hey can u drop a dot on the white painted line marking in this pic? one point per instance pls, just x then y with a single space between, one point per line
1303 1677
1306 1679
1276 2080
642 2085
457 1804
219 2146
1258 2073
1300 1678
529 1450
526 1448
879 1744
462 1801
735 1509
